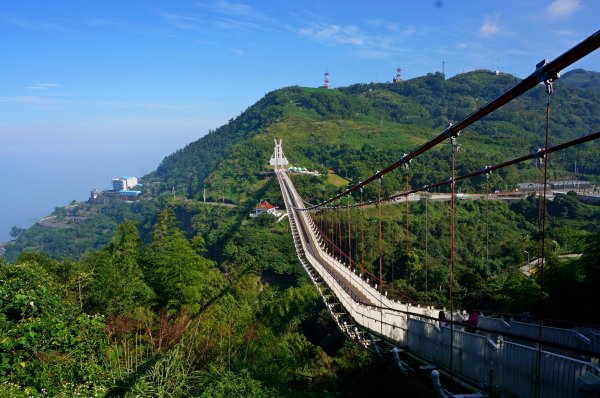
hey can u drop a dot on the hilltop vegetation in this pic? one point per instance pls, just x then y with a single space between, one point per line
161 319
171 295
356 131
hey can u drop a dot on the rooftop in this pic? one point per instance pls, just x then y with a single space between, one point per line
265 205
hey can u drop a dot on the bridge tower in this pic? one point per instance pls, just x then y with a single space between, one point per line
398 77
278 159
327 83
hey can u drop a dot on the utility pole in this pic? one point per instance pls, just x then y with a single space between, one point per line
444 68
204 194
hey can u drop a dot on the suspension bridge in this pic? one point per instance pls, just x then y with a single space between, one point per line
501 355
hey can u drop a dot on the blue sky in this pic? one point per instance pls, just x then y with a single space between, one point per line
154 68
93 89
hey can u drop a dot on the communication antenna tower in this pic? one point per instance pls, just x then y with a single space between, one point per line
327 84
398 77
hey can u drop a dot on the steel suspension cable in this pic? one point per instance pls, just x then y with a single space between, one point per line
380 257
380 239
544 197
487 227
543 239
407 244
545 71
362 244
488 169
362 235
426 238
339 222
539 199
452 182
349 236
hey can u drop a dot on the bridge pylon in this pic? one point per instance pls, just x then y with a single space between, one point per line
278 159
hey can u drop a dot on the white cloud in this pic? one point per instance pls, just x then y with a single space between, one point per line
182 21
31 24
562 8
228 7
335 34
490 25
374 54
33 100
42 86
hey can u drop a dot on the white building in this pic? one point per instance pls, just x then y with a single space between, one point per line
124 183
266 207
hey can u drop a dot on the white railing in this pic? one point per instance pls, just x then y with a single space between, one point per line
511 367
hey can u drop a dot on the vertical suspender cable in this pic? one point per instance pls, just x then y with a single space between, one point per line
339 218
407 244
362 236
332 230
380 239
349 236
426 238
362 246
380 257
452 267
487 228
541 268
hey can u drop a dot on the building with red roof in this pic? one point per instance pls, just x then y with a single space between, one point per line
265 207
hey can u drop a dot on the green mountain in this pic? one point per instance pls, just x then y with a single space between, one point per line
174 296
356 131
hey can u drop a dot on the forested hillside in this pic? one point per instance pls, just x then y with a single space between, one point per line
355 131
174 296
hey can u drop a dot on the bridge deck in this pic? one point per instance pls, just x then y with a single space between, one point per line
509 366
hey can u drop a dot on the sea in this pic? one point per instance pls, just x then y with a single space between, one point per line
38 174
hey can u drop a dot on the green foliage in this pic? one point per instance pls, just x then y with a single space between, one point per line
45 340
72 240
177 325
181 278
573 285
216 384
118 285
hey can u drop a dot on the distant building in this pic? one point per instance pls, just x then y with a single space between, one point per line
570 184
124 183
398 77
94 194
559 184
265 207
128 195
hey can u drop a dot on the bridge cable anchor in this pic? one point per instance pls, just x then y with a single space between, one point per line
453 141
488 171
539 156
405 162
449 133
546 77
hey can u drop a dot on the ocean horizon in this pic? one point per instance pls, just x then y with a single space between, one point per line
40 174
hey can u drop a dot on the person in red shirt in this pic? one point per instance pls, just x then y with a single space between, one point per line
471 321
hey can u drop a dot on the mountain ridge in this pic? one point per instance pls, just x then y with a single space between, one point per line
355 131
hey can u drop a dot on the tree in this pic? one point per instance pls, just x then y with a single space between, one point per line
46 341
16 231
181 278
118 284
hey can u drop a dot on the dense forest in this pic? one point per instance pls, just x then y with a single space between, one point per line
174 296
